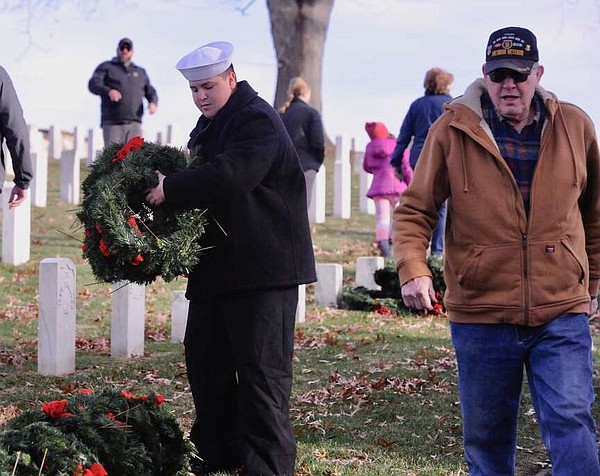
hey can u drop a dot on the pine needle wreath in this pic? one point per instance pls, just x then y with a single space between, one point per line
389 298
95 434
125 238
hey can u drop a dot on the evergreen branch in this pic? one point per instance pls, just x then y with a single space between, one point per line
69 236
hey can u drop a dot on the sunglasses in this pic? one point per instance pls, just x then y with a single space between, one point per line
499 75
125 47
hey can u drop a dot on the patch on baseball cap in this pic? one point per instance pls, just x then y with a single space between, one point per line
512 47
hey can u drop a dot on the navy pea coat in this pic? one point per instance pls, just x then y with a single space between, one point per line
252 185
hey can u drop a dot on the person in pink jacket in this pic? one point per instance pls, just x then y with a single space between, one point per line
386 188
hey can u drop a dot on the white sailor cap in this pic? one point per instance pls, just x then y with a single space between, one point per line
207 61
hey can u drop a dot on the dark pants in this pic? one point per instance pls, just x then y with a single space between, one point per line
238 351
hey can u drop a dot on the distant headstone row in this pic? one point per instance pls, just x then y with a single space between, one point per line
67 147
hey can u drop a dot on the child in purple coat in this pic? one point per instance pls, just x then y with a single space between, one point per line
386 188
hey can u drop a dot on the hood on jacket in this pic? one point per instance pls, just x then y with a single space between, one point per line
377 130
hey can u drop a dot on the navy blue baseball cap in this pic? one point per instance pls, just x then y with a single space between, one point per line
512 47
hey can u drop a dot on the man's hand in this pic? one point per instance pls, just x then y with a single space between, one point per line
156 196
152 107
114 95
418 293
16 197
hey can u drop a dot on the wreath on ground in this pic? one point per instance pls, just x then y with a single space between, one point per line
125 238
389 298
95 434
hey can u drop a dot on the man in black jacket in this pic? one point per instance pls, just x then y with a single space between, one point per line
13 130
244 292
122 86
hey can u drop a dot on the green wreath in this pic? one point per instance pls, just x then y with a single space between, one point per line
125 238
110 432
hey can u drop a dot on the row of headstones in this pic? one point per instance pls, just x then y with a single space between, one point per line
342 183
57 310
16 228
87 143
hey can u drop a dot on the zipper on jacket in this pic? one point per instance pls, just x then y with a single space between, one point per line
526 278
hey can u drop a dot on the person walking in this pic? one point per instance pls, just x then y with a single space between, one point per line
14 132
303 123
244 292
385 188
122 86
521 172
421 114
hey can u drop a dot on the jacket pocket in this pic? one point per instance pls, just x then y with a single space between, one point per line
488 276
558 272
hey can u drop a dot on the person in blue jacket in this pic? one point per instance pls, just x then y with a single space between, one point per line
243 293
421 114
122 86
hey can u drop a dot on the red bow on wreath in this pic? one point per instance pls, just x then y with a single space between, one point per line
135 143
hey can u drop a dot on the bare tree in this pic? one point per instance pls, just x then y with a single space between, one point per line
299 29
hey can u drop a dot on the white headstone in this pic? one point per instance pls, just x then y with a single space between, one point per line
365 204
329 284
301 309
127 327
160 137
342 176
316 210
16 229
39 184
55 142
79 141
38 188
179 312
37 143
56 328
365 271
7 161
357 158
176 137
70 182
94 144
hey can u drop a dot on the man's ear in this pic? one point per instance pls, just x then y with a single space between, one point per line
232 79
539 71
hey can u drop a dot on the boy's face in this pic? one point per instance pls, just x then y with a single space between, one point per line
211 94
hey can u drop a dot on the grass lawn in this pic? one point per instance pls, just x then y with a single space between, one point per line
374 394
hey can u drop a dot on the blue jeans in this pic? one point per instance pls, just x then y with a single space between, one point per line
437 237
558 361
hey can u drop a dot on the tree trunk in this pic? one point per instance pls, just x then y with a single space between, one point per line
299 29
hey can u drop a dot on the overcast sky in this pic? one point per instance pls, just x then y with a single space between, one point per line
376 53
